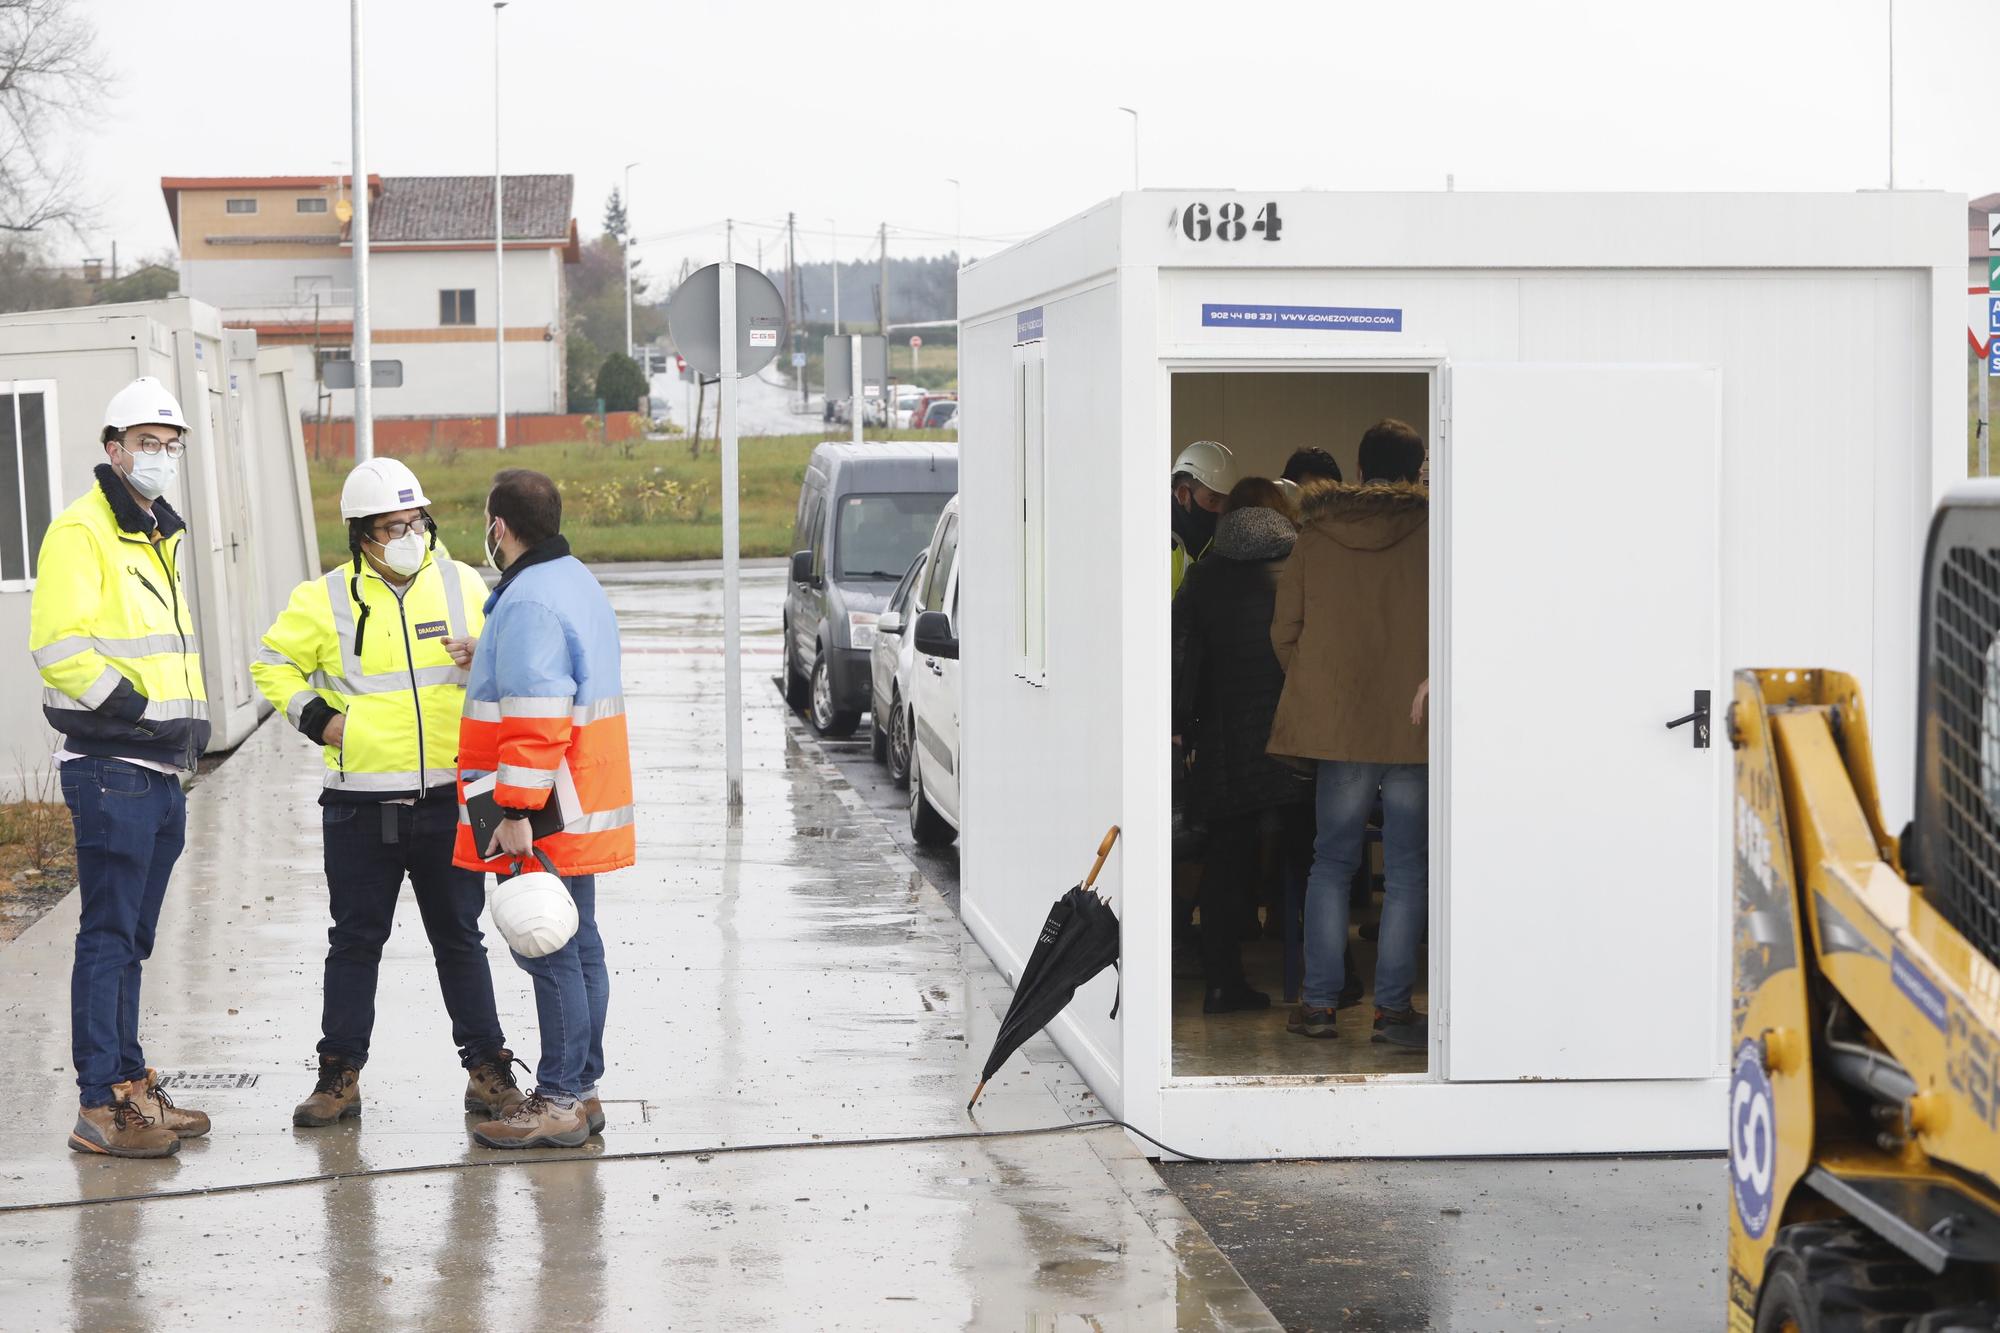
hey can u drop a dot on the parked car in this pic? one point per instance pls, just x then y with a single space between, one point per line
924 406
941 414
864 513
890 663
934 697
907 398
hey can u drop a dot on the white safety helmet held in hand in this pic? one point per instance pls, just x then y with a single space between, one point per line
1210 463
380 486
144 402
533 912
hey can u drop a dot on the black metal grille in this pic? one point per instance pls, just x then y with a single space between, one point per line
1961 843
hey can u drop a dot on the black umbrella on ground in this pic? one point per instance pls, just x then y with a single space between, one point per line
1079 940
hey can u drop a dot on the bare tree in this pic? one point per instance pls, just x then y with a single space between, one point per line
48 55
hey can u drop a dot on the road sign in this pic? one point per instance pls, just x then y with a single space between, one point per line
1992 315
695 312
1993 272
1993 357
1993 231
916 341
798 360
381 374
838 359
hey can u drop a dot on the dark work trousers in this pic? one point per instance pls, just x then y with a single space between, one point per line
130 823
369 851
1229 881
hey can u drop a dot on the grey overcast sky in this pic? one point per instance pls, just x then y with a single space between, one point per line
858 111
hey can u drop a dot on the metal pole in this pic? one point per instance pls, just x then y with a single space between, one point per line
856 400
626 246
1135 144
1892 96
1985 415
834 231
729 240
364 372
732 629
958 220
499 257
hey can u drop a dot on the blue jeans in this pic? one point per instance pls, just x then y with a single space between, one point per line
572 992
130 824
369 849
1343 797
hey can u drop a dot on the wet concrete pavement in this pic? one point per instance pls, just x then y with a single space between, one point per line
786 978
1475 1246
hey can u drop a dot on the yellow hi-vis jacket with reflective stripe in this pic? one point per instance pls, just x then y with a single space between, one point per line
111 632
400 691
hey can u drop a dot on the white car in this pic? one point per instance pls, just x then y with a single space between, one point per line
933 724
891 661
907 398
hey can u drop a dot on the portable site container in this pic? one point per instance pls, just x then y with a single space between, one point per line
1668 435
243 486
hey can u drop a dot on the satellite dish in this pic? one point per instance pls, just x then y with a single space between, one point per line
343 210
694 318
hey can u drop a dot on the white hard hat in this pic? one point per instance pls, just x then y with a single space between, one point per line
380 486
533 912
1290 490
144 402
1210 463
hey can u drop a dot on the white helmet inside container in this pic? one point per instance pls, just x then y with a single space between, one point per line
381 486
143 402
533 912
1210 463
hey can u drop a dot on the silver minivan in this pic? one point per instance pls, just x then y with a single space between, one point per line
864 513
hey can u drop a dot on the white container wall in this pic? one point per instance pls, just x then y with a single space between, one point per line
1669 436
243 487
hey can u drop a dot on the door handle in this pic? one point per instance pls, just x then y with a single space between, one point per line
936 670
1700 719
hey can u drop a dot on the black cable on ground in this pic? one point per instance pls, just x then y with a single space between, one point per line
531 1158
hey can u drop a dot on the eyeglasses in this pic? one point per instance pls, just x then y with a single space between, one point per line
397 527
153 444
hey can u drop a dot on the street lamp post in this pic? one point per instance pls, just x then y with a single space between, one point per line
499 257
1135 144
364 370
958 218
631 348
833 230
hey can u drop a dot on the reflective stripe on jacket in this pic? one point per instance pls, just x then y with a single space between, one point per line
401 695
112 634
545 712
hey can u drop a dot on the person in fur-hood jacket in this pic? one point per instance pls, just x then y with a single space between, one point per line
1351 630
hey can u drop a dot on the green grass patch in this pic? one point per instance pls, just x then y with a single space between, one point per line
644 501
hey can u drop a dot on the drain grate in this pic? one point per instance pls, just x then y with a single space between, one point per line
206 1080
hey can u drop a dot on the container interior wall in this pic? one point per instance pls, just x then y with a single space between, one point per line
1042 762
1264 415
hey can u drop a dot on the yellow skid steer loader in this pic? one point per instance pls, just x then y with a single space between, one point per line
1864 1101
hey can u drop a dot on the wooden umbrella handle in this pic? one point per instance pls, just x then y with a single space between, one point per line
1103 854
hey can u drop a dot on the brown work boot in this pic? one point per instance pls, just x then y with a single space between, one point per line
122 1129
336 1096
185 1122
490 1087
593 1115
536 1123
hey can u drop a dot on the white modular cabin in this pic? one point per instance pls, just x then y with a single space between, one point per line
243 487
1668 436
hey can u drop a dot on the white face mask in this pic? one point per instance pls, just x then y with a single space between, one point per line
492 546
406 554
151 474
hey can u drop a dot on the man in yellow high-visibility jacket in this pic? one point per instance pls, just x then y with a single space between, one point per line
113 638
369 662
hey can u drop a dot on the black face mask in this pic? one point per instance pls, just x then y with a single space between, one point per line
1194 525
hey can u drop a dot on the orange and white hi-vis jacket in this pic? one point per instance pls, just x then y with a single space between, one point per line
545 712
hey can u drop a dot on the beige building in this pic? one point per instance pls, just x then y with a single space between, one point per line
275 254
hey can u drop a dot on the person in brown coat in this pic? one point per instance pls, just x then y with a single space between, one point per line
1351 629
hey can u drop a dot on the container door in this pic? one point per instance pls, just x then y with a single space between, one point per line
1583 895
